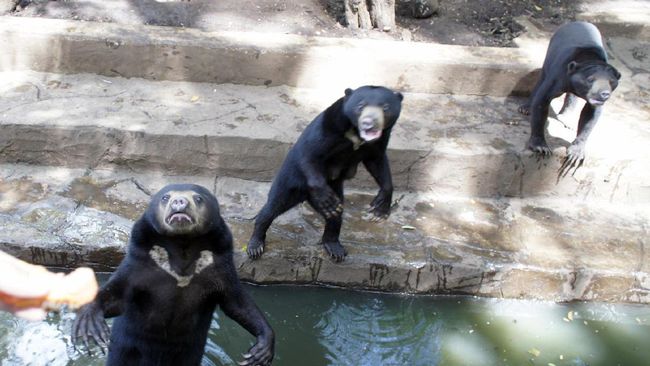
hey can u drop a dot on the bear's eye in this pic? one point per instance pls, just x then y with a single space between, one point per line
198 199
591 79
165 198
386 107
360 107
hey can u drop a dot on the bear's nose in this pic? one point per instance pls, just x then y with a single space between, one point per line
179 204
368 122
604 95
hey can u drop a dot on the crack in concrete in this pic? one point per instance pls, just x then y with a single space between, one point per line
214 185
520 161
410 167
623 166
209 119
205 145
377 273
6 147
315 268
586 185
67 97
407 284
442 280
140 186
642 246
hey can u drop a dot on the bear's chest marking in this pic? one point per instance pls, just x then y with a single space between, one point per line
356 141
160 256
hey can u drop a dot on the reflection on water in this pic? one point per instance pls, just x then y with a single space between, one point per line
374 334
40 343
317 326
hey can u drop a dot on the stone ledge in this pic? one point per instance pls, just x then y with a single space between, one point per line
165 53
455 145
629 19
515 248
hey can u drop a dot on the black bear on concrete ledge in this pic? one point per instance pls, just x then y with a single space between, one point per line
575 64
178 268
355 129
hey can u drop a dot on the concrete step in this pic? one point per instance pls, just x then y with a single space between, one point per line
259 58
454 145
506 247
630 19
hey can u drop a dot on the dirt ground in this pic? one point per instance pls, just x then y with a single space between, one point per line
464 22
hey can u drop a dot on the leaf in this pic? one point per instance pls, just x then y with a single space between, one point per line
408 227
538 8
535 352
194 99
570 315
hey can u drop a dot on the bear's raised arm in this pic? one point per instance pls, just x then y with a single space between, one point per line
90 324
238 306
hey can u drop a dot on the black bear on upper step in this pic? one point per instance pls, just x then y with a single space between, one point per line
576 64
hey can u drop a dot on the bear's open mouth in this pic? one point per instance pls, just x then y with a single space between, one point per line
596 102
370 134
179 218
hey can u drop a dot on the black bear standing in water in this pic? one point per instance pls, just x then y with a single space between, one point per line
178 268
355 129
575 64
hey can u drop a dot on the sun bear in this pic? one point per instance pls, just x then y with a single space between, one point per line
355 129
177 269
576 64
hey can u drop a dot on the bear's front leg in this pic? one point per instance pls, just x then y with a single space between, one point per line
575 154
380 206
321 196
325 201
379 168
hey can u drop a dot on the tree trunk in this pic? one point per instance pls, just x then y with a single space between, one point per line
382 14
368 14
356 14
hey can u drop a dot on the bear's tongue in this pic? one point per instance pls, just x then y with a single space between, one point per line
593 101
179 218
370 134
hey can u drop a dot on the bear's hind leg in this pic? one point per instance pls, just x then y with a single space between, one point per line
277 204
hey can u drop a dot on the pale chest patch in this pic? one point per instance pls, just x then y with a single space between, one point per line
352 136
161 258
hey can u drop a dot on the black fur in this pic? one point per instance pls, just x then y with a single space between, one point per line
323 157
576 64
157 321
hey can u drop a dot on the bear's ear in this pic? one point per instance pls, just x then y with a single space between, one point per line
571 67
348 92
617 74
399 95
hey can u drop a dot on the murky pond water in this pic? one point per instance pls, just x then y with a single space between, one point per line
319 326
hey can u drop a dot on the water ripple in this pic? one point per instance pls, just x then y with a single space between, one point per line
371 334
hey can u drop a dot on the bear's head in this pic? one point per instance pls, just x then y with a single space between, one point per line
372 109
594 82
183 209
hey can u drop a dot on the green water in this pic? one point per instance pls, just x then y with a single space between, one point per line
319 326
